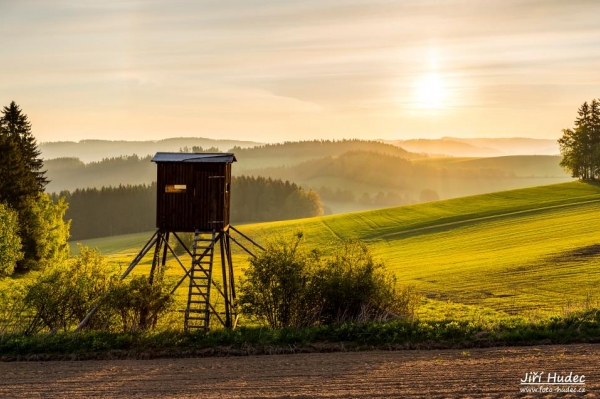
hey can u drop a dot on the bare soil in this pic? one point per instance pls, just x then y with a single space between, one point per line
472 373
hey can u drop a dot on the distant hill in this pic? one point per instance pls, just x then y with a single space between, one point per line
70 173
295 152
363 172
96 150
515 145
515 165
479 147
445 147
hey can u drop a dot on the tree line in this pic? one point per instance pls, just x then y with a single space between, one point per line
580 146
126 209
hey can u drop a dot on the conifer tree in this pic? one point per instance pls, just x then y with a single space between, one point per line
17 128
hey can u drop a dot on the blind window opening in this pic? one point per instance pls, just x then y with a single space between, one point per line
175 188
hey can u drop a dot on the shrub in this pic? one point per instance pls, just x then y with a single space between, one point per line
138 304
61 296
11 309
287 286
277 284
355 287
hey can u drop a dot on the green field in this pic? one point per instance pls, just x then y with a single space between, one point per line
518 251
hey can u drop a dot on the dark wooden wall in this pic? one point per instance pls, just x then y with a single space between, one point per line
205 204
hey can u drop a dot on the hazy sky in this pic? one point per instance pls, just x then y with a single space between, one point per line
274 70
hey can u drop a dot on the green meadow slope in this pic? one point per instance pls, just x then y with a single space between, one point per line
515 251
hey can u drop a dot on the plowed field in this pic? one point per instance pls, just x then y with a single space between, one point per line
473 373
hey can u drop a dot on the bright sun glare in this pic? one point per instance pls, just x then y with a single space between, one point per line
430 92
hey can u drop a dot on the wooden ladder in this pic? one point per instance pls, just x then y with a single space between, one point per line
197 313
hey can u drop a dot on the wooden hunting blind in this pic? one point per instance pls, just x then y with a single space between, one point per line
193 191
193 196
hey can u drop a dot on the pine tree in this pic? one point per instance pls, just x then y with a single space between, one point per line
16 126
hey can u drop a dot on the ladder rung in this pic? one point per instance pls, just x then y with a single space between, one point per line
201 272
196 318
192 310
204 302
197 311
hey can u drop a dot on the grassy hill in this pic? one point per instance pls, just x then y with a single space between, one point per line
514 251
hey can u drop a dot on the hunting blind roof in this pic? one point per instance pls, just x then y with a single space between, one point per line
194 157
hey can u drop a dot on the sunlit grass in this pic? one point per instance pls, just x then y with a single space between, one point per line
514 252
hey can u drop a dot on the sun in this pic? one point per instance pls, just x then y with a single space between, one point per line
430 92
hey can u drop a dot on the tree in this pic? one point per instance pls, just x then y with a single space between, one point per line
45 233
580 147
16 126
10 242
17 183
42 230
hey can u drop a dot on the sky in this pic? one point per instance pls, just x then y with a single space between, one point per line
276 70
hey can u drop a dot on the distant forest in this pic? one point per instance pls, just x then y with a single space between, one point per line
126 209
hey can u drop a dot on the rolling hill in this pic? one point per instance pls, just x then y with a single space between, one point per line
96 150
518 251
70 172
479 147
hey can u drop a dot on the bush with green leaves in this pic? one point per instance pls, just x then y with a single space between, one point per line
62 295
288 286
12 308
277 284
10 242
137 304
353 286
